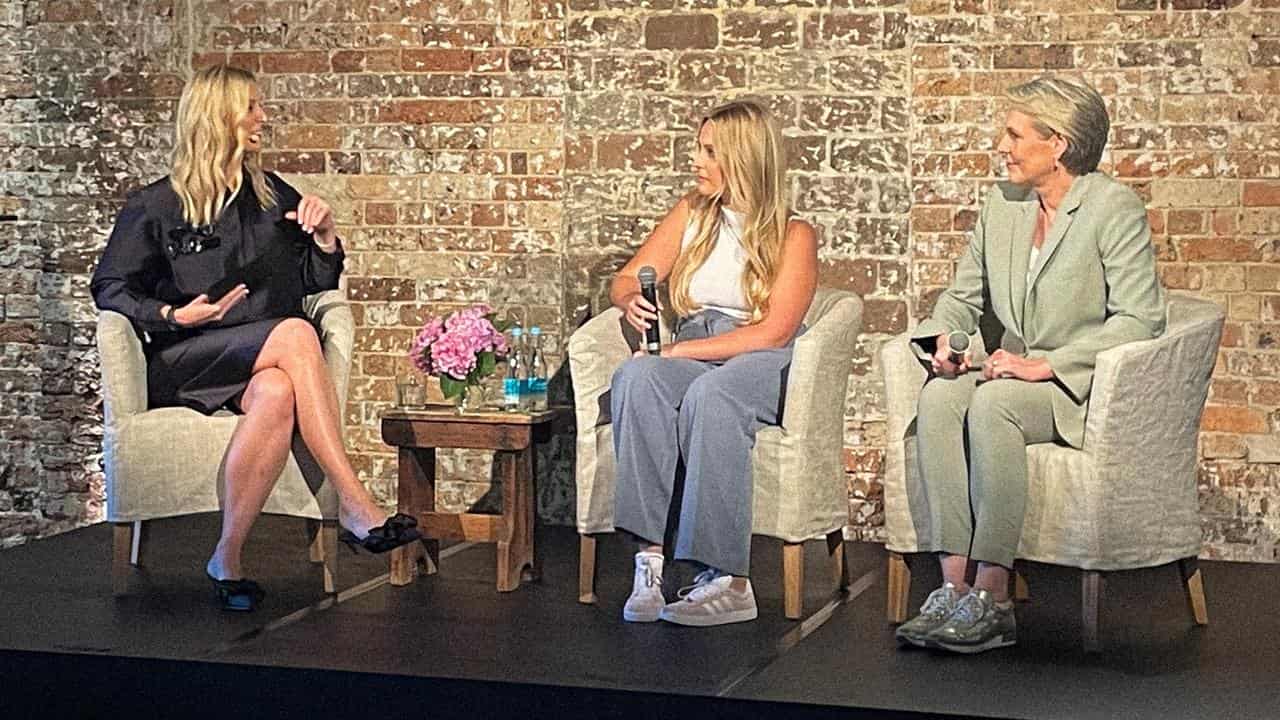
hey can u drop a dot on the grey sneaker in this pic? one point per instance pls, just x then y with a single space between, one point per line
933 613
646 601
711 601
978 624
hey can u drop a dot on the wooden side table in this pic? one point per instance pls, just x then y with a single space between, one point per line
416 434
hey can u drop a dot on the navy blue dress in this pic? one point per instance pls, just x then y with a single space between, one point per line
155 258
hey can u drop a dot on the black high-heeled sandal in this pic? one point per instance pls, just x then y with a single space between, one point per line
237 595
398 530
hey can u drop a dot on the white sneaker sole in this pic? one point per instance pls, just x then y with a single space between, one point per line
637 617
736 616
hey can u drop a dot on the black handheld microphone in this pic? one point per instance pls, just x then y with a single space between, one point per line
649 291
959 343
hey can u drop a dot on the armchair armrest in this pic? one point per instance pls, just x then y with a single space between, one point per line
1140 436
124 368
905 507
595 351
821 362
1127 419
331 314
904 377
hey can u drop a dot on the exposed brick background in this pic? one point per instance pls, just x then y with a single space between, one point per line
437 128
516 151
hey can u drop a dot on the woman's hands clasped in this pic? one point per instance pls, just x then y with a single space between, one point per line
1000 364
1004 364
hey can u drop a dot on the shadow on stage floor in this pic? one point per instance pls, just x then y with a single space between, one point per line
450 645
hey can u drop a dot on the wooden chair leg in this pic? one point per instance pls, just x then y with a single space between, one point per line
1091 600
793 580
839 563
1020 591
587 569
323 550
122 535
315 550
327 543
899 588
1194 583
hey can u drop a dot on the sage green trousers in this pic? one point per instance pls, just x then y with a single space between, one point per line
972 440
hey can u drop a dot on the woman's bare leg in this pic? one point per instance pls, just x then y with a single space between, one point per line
257 453
294 348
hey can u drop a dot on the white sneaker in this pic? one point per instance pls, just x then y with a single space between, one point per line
711 601
646 601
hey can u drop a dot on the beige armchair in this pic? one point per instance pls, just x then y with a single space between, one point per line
1126 500
169 461
798 469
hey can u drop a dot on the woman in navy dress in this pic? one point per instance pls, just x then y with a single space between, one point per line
211 264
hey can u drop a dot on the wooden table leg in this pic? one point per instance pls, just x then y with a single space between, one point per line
515 538
533 572
416 494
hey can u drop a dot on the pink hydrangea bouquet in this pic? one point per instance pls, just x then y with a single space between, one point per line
461 349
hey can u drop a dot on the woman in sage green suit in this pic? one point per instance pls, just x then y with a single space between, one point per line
1062 253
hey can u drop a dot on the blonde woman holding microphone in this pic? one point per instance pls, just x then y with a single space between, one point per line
741 273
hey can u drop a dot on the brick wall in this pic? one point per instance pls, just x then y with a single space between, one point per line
88 98
517 151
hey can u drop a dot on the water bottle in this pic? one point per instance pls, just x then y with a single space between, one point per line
525 399
537 371
517 372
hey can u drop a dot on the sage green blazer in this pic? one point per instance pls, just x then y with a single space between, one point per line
1093 287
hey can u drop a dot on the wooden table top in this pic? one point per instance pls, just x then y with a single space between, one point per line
448 414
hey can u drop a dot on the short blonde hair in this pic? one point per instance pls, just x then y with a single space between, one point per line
1070 108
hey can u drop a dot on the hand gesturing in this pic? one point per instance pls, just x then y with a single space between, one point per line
315 216
200 311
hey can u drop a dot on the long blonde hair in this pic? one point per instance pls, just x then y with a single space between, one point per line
753 162
213 103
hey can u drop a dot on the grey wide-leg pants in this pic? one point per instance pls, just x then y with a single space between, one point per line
668 409
972 440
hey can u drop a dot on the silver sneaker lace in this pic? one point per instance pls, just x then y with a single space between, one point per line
940 603
970 610
700 581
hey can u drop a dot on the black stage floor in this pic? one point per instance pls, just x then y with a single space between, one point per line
450 645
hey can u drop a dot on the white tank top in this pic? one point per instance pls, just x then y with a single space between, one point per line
717 285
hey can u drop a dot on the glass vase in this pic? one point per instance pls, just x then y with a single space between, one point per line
472 399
